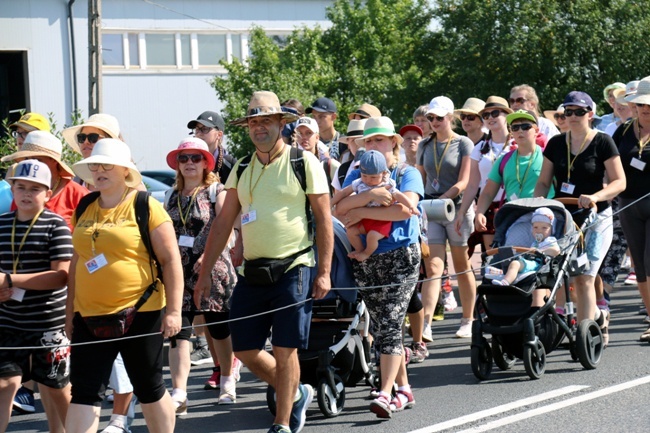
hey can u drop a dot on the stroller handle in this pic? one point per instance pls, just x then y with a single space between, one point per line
572 201
494 251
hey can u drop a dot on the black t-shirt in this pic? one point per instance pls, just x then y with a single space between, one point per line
588 171
637 181
227 164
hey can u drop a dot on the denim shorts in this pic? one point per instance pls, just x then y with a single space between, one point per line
290 326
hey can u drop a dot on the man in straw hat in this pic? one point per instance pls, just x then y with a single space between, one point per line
278 256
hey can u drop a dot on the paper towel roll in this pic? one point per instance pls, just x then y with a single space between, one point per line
439 210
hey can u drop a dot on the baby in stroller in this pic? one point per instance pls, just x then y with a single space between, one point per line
542 228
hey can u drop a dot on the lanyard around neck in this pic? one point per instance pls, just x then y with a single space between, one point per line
251 186
189 206
642 144
15 257
530 162
438 164
570 161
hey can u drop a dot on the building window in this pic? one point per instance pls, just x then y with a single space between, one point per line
236 47
160 49
212 49
134 51
186 50
112 50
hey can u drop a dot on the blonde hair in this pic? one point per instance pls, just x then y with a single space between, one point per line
530 92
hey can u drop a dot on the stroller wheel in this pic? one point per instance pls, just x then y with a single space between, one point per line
482 360
535 360
270 399
504 361
590 345
328 404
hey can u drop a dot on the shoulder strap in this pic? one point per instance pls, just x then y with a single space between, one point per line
168 195
327 166
298 165
343 171
504 161
84 203
142 213
243 164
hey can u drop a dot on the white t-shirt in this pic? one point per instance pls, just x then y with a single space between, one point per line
486 161
547 127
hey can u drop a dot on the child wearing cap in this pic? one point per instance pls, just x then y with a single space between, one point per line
374 174
542 227
33 294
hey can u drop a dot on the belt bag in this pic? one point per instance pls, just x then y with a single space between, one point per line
264 272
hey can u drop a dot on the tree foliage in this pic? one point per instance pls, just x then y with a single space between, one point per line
398 54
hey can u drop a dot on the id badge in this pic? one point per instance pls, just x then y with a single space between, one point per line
638 164
186 241
582 260
567 188
96 263
435 184
513 197
17 294
248 217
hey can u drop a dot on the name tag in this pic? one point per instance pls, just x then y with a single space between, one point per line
513 197
435 184
17 294
582 260
186 241
96 263
638 164
567 188
248 217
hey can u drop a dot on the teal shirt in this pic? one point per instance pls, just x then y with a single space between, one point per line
520 182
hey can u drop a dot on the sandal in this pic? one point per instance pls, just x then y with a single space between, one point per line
227 398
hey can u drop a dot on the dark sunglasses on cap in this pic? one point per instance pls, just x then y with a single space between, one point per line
195 157
522 126
568 112
431 118
94 166
519 100
470 117
557 116
93 137
494 113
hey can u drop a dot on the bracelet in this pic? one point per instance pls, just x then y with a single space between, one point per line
10 283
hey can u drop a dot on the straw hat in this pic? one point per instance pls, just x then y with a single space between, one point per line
109 151
264 103
379 126
355 130
642 95
40 143
619 95
496 102
366 111
105 122
191 143
550 114
471 106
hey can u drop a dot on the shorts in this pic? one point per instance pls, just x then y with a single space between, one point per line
528 265
381 227
605 226
290 325
441 233
50 367
218 331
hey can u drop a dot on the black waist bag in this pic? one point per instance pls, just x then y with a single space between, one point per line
264 272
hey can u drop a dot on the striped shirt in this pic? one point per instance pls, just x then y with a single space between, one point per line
48 240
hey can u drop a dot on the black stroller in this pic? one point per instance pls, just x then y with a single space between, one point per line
338 354
519 330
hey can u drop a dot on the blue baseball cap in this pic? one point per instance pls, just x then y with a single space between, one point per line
580 99
324 105
372 162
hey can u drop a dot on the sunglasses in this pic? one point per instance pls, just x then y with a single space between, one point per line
494 113
16 134
94 166
557 116
432 118
517 100
470 117
202 129
93 137
522 126
195 157
568 112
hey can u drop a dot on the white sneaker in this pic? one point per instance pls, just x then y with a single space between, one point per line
449 301
427 337
465 330
627 263
116 427
180 402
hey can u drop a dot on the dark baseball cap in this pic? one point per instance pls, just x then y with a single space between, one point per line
210 119
580 99
324 105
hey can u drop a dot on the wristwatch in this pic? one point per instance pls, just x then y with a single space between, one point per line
10 283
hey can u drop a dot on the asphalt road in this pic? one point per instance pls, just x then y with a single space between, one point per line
612 398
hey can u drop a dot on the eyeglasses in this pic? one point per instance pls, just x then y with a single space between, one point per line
568 112
432 118
517 100
522 126
16 134
494 113
557 116
202 129
93 137
195 157
470 117
94 166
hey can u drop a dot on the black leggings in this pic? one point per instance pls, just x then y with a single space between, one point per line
636 226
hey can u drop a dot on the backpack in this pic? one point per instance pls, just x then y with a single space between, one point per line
298 166
141 205
343 171
212 190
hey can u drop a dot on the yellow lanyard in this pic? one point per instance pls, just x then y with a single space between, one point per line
15 257
251 186
642 144
437 164
530 161
189 207
95 233
570 161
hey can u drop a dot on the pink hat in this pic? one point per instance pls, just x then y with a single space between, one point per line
191 143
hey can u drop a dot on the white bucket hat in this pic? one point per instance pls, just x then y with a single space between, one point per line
379 126
103 121
40 143
642 95
109 151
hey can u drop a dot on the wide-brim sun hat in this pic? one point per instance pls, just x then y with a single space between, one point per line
379 126
264 103
441 106
354 131
366 111
40 143
191 143
521 114
496 102
103 121
642 95
619 95
550 114
109 151
471 106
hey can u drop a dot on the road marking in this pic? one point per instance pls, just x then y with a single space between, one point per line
560 405
500 409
